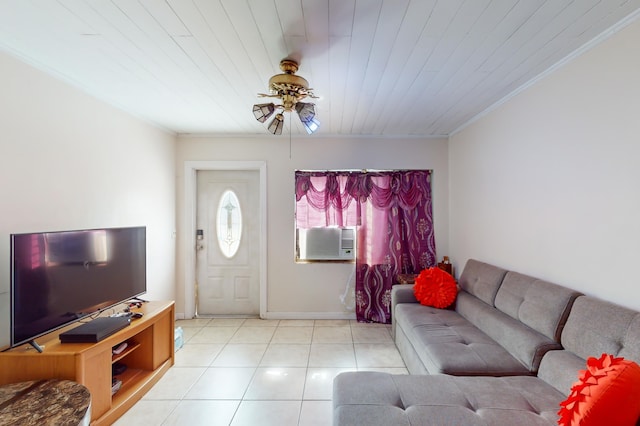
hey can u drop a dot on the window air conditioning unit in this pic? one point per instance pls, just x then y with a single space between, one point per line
327 243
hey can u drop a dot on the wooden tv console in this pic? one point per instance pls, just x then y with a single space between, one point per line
149 354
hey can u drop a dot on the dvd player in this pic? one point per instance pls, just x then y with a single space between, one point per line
95 330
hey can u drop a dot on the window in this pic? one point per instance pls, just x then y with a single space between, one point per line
393 220
229 224
325 225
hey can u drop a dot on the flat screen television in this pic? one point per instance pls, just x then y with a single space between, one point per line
58 278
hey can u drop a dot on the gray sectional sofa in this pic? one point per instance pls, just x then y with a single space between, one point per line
506 353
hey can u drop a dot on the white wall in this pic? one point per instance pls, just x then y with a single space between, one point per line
548 184
68 161
310 290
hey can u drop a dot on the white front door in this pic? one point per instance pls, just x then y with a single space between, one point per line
228 255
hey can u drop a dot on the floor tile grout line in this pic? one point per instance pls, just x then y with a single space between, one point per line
355 355
269 345
253 376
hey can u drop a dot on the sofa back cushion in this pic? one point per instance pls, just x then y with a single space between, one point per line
541 305
481 280
594 327
521 341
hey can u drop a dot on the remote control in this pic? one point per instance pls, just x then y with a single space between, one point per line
121 347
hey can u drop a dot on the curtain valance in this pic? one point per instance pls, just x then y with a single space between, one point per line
337 190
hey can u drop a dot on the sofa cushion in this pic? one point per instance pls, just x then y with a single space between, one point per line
443 400
607 392
481 280
521 341
435 287
541 305
560 369
595 327
446 342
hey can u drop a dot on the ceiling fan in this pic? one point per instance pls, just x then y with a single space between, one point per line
290 89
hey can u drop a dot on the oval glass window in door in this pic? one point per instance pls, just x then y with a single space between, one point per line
229 224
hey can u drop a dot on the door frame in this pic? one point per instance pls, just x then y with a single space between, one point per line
190 184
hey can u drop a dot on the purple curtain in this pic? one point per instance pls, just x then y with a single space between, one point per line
395 235
322 200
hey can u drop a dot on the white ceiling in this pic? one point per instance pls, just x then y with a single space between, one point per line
380 67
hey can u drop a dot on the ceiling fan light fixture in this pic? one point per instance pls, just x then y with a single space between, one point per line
263 111
276 124
311 125
290 89
306 111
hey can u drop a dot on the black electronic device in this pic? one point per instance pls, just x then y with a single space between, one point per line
118 368
95 330
58 278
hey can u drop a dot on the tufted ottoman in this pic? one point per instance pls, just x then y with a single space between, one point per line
374 398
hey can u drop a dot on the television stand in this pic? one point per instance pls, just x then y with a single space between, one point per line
148 355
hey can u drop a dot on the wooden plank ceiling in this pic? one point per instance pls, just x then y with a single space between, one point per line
381 67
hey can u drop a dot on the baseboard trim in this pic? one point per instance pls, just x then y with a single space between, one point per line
298 315
310 315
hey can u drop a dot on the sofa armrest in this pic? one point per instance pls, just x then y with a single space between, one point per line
400 293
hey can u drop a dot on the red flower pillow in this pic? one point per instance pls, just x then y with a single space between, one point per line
435 287
606 393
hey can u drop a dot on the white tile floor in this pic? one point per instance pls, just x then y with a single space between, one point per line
234 371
